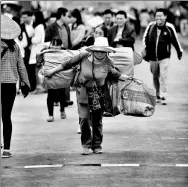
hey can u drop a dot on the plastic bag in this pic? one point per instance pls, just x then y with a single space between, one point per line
137 99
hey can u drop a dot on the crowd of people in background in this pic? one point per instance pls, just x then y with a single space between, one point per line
35 30
119 28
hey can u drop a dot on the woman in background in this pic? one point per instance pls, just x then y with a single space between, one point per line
37 40
77 30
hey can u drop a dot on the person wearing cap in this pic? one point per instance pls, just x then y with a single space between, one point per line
12 68
96 68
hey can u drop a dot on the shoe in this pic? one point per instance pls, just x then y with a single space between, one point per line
18 92
79 131
63 115
67 103
56 104
6 154
163 101
158 99
50 119
85 151
98 151
106 114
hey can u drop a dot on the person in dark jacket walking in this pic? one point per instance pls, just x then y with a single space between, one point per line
157 39
122 34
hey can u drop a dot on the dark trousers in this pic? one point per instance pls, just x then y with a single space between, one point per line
67 94
51 98
32 76
8 94
92 138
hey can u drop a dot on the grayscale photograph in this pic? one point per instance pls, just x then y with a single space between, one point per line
94 94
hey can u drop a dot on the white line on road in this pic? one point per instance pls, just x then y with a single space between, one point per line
167 138
120 165
43 166
183 138
101 165
171 138
181 165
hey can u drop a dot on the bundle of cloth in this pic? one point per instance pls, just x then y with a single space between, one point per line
50 58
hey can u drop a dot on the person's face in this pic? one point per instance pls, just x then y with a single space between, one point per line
107 18
98 32
120 20
72 19
25 19
55 47
160 18
51 20
66 18
100 55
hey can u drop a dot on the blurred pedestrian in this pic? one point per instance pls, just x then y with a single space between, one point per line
26 22
91 90
108 18
122 34
51 19
145 19
37 41
21 40
99 31
60 28
12 68
157 39
136 22
54 94
78 29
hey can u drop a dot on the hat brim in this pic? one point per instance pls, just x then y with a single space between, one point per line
137 58
101 49
9 28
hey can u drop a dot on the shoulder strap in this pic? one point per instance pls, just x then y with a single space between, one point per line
150 31
3 53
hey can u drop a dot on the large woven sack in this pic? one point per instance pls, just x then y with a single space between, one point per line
137 99
61 79
123 59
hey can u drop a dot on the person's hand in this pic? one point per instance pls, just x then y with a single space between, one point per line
180 56
24 89
22 83
116 39
124 77
48 73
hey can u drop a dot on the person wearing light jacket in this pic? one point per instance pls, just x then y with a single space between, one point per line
157 40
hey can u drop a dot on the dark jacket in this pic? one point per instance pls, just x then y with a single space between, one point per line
52 31
27 49
128 36
159 48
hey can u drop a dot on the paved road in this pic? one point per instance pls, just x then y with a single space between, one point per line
138 152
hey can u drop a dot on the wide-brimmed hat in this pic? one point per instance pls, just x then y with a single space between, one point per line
9 28
101 44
